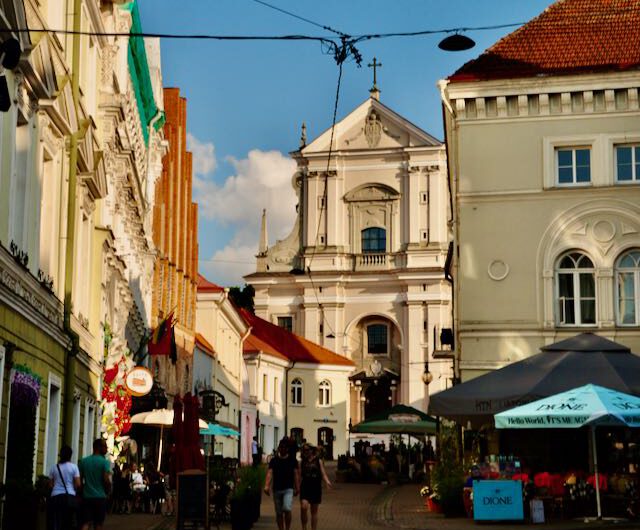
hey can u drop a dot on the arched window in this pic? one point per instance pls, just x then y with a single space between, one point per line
296 392
324 394
377 339
576 288
627 288
374 240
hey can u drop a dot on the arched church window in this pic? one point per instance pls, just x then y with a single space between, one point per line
377 340
296 392
576 289
627 288
374 240
324 394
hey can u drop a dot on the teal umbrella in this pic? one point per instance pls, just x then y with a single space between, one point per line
215 429
589 405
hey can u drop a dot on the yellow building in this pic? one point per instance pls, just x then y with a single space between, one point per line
543 136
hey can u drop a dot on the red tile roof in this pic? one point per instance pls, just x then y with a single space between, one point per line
269 338
205 286
569 37
205 345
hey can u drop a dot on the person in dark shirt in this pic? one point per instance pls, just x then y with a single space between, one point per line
284 476
312 473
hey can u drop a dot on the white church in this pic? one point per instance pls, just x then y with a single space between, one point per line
364 270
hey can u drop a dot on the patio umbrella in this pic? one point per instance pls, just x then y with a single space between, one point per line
589 405
399 419
215 429
159 418
192 457
583 359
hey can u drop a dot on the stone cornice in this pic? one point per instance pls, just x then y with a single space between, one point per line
20 291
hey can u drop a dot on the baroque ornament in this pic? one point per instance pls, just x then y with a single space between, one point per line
373 129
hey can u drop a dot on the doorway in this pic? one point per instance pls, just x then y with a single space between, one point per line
377 398
325 440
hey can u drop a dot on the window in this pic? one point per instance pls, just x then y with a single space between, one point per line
276 390
265 390
575 279
286 323
627 163
75 434
296 392
374 240
573 165
377 339
53 423
276 436
324 394
261 436
89 428
627 282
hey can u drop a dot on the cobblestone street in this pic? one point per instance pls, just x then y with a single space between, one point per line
362 506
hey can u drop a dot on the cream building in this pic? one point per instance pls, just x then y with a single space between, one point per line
299 389
543 142
218 322
71 145
363 271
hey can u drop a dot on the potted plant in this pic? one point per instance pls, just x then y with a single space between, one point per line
447 477
246 497
431 499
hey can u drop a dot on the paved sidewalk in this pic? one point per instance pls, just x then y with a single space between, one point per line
139 521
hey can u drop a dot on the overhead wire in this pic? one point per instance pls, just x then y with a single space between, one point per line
299 17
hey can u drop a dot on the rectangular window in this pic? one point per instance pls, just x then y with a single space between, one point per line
261 436
276 390
276 436
627 298
377 339
75 435
286 323
627 163
53 424
265 389
89 429
573 165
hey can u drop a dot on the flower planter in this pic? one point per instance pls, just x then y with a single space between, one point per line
433 506
241 514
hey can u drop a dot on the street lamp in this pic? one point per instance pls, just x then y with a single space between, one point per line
427 376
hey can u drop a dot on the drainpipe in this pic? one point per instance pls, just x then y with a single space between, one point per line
286 398
72 354
242 339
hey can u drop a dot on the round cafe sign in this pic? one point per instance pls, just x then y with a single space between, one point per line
139 381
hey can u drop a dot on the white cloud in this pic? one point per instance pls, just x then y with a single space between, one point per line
261 180
204 155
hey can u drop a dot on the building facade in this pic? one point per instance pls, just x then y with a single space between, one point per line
175 234
300 389
67 257
543 132
221 326
363 270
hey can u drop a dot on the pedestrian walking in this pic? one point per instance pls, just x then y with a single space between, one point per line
256 452
284 476
95 472
64 478
313 474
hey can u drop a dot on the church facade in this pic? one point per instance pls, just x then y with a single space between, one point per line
362 272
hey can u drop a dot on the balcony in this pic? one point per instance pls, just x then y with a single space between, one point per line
373 261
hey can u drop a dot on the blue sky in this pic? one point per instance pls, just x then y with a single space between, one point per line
246 100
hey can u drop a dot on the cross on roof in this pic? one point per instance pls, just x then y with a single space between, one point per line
375 65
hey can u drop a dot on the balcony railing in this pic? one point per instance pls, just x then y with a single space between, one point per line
372 261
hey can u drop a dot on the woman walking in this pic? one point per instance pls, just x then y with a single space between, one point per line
313 474
65 480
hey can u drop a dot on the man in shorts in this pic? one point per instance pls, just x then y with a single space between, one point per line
95 473
284 475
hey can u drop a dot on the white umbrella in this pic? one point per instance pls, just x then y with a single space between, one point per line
160 418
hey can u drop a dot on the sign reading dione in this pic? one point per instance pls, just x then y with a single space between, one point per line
139 381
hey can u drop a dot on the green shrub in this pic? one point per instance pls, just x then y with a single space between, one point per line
447 477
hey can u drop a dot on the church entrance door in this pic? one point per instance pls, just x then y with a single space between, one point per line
377 398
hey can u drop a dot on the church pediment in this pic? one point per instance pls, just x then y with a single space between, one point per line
372 192
372 126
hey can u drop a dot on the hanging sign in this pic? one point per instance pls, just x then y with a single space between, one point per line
139 381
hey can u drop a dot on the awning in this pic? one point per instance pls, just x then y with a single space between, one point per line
580 360
399 419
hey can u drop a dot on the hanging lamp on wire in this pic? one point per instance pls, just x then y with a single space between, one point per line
456 43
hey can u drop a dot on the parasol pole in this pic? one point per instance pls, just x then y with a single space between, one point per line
595 469
160 448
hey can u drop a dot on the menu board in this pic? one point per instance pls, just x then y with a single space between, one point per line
192 501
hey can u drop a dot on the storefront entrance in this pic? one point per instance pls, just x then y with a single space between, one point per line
325 439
